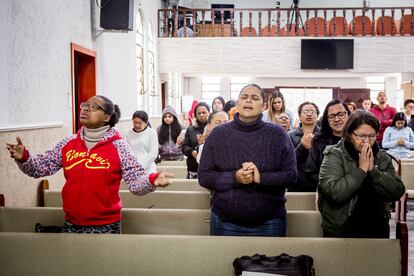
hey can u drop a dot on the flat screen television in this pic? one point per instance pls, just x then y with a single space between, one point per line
217 14
327 54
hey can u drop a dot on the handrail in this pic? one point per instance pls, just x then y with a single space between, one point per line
281 21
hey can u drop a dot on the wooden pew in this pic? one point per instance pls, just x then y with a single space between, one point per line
182 200
157 199
178 171
177 185
172 163
71 254
150 221
406 172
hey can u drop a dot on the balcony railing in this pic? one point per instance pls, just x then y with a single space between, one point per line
328 22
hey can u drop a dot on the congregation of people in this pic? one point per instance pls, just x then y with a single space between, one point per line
247 153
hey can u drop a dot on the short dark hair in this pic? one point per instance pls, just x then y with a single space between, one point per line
110 109
399 116
262 93
141 115
307 103
356 119
229 105
201 104
408 101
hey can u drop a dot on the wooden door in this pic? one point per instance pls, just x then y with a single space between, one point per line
83 79
356 95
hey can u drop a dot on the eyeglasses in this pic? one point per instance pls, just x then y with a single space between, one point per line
340 115
363 136
310 112
91 107
283 118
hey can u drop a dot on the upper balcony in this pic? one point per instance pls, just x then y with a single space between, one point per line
310 22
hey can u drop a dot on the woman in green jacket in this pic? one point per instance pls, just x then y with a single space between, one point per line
357 181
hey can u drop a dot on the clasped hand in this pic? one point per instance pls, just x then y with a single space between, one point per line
366 158
248 173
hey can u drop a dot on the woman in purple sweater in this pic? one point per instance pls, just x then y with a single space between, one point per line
248 164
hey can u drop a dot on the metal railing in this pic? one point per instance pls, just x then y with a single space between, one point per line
329 22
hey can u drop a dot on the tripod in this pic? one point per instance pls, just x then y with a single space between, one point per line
295 16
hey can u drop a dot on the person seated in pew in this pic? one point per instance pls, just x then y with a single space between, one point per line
398 138
247 164
143 141
357 181
333 120
301 139
94 161
216 118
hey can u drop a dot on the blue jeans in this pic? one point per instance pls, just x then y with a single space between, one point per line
270 228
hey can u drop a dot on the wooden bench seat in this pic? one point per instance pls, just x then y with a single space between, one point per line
72 254
182 199
177 185
151 221
178 171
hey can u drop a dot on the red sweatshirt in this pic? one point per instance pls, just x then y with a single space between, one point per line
90 194
385 117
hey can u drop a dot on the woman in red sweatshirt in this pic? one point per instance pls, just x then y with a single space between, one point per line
94 161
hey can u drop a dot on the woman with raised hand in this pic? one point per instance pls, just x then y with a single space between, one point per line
357 182
143 141
94 161
248 164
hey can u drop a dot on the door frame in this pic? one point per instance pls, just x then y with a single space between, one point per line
83 77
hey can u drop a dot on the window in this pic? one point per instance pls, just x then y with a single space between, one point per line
295 96
139 48
236 84
210 88
174 91
151 61
376 84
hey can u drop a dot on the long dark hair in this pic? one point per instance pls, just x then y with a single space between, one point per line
111 109
164 130
326 130
399 116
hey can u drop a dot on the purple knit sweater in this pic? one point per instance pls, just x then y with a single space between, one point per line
266 145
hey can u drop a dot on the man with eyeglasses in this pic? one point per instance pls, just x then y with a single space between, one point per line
384 113
301 138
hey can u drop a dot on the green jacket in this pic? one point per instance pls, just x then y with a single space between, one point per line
340 181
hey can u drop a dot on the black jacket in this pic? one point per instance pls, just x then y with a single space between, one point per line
190 144
302 182
315 157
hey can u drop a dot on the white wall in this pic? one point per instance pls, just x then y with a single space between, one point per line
37 58
116 62
273 55
4 90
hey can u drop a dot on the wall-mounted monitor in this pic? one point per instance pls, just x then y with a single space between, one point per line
327 54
